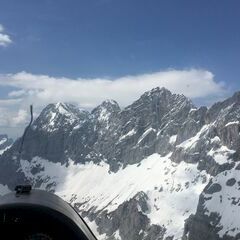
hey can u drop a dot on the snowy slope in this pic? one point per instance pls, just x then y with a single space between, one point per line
173 189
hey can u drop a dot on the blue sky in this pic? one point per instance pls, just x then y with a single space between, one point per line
92 38
110 39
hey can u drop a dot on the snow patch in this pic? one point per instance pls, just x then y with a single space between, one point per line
117 235
149 130
62 108
5 149
216 139
104 115
221 155
3 140
232 123
173 139
191 143
130 133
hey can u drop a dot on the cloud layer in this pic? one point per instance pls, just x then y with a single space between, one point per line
88 93
5 39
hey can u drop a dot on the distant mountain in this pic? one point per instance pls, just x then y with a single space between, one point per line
160 168
5 143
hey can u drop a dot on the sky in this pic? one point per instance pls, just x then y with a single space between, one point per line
85 51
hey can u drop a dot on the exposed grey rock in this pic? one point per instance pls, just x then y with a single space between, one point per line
158 122
197 227
213 188
130 220
231 182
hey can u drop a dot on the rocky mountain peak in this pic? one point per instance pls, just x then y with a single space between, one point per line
225 111
161 110
158 90
58 115
164 99
105 109
156 93
236 96
64 109
109 103
163 94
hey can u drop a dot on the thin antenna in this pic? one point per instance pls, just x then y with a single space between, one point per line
25 132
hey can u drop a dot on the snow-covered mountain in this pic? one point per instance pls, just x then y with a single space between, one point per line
5 143
160 168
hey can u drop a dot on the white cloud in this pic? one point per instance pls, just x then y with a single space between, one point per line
5 39
17 93
40 90
20 118
13 117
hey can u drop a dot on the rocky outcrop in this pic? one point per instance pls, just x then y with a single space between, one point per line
129 221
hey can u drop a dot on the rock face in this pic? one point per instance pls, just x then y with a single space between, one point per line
160 168
129 220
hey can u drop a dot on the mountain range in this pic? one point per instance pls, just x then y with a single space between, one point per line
158 169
